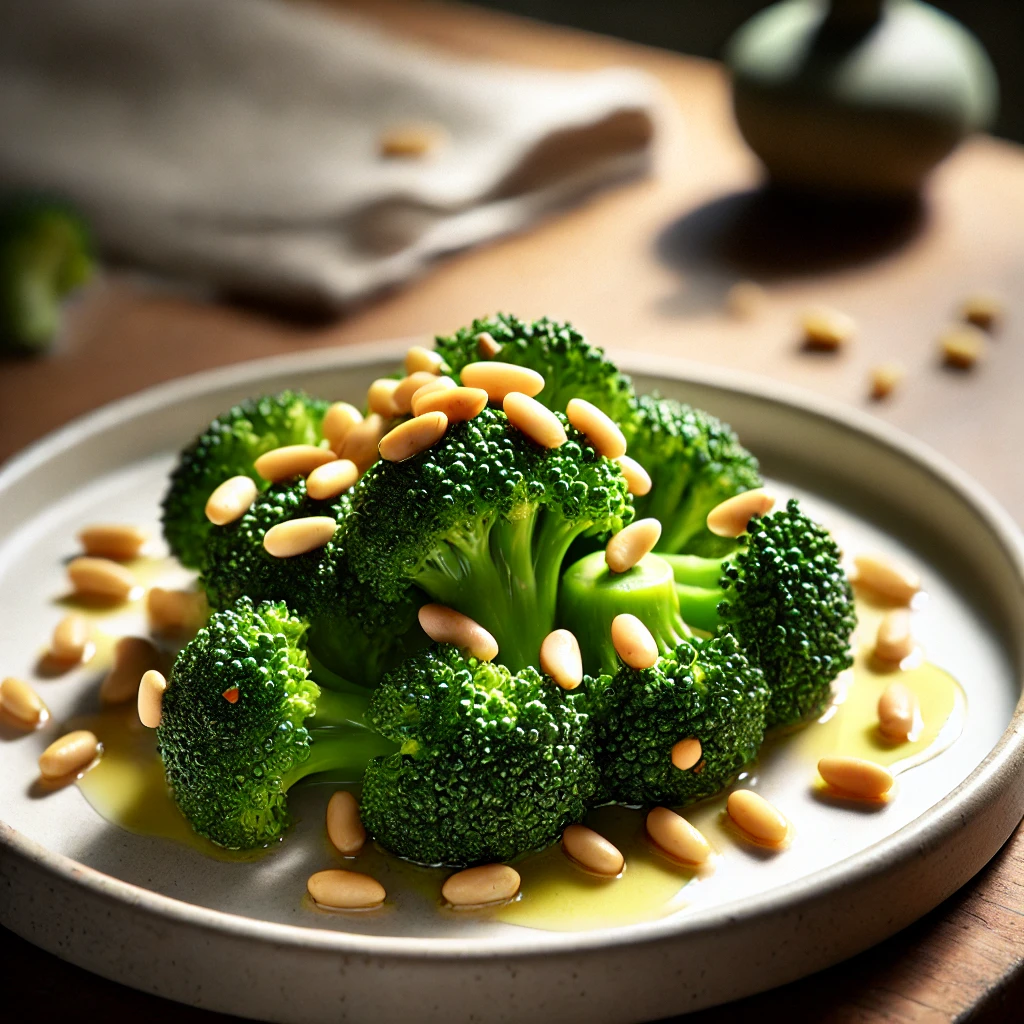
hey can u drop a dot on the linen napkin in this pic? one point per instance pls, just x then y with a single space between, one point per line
264 147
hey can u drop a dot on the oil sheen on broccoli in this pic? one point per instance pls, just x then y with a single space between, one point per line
481 522
243 721
491 764
228 447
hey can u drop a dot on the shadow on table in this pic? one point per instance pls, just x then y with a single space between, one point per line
771 234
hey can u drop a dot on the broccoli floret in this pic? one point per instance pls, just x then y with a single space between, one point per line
229 447
570 365
785 597
243 721
492 765
704 690
481 522
695 462
591 595
45 253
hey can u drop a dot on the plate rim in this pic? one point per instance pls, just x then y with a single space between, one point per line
982 786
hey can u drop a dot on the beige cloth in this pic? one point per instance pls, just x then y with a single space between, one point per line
237 142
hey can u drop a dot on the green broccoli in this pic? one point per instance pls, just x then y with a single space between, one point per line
482 522
695 462
785 597
229 447
45 253
570 365
243 722
591 595
491 765
707 691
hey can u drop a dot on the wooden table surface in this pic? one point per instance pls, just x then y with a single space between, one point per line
646 267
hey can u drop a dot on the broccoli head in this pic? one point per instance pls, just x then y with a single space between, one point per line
705 690
482 522
229 447
492 764
243 721
570 365
785 597
695 462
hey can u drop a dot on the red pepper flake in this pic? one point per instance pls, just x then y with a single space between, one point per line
231 695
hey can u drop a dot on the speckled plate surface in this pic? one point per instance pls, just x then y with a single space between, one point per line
239 936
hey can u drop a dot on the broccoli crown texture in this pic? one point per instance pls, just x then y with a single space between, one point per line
705 690
482 522
234 734
570 365
491 764
228 447
695 462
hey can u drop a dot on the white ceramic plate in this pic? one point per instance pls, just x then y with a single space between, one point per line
240 937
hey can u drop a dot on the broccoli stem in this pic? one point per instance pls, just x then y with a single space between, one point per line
344 751
697 586
339 708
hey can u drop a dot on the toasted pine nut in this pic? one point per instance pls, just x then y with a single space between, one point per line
437 384
345 890
411 141
885 378
592 851
71 753
151 698
633 642
686 753
231 500
22 703
886 578
331 479
133 658
486 345
70 639
675 836
482 886
100 577
360 444
601 430
983 309
118 541
339 419
895 639
291 460
536 421
731 517
381 397
638 480
826 329
856 777
631 544
561 659
458 404
447 626
962 346
408 387
756 817
413 436
743 299
419 358
898 713
297 536
499 379
176 611
344 829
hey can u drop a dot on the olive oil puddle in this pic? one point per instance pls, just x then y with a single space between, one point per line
127 788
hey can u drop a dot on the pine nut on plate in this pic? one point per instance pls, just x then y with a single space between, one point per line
339 419
291 460
560 658
600 429
118 541
633 642
481 886
100 578
886 578
894 640
592 851
70 639
826 329
499 379
437 384
731 517
963 346
676 837
151 698
331 479
899 713
419 358
447 626
70 754
338 889
413 436
983 309
638 480
22 703
360 444
231 500
757 818
408 386
297 536
381 397
134 656
686 753
536 421
344 827
176 611
458 404
856 777
625 548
